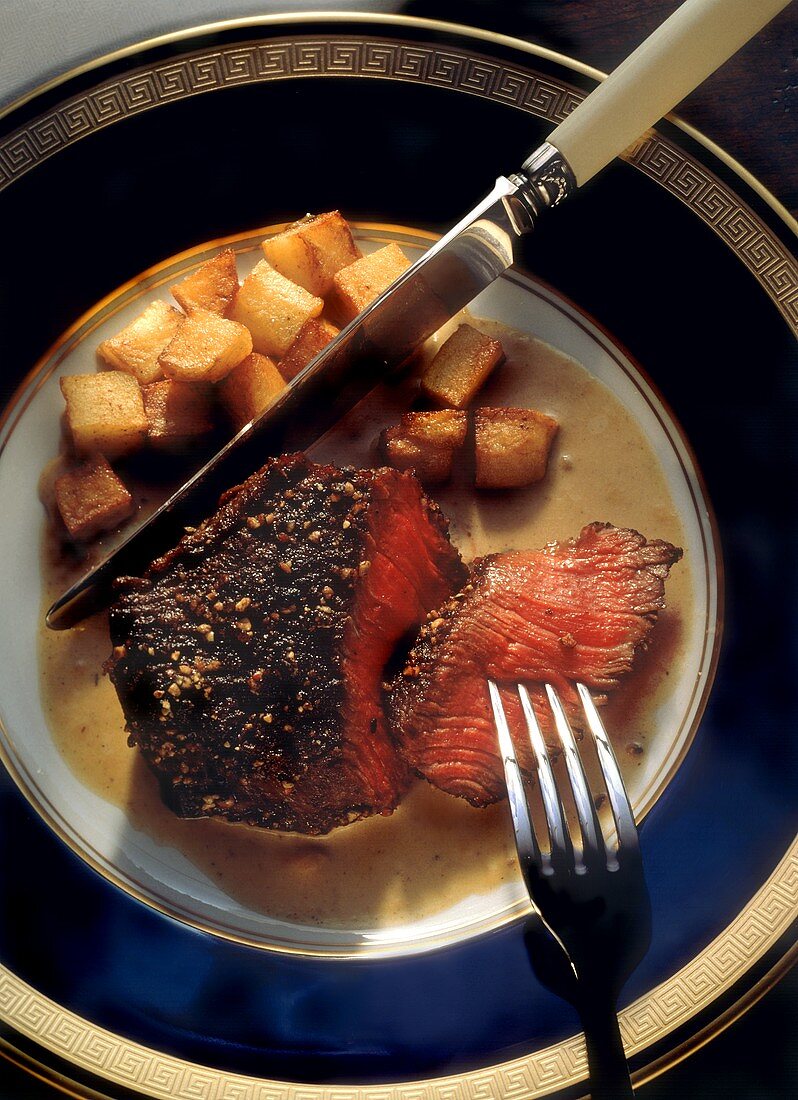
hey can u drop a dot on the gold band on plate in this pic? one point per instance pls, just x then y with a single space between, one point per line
659 1012
770 912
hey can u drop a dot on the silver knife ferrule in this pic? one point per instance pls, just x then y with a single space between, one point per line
545 179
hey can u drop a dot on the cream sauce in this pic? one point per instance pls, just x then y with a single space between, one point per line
434 850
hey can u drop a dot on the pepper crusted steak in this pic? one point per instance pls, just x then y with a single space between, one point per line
249 659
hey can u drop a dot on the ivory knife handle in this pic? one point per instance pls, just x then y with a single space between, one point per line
675 59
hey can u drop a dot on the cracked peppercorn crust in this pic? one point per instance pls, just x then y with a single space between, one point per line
248 660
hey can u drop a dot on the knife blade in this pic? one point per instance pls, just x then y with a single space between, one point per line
670 63
447 277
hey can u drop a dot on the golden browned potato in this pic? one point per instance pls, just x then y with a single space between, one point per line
205 348
425 442
310 251
249 388
354 287
511 446
177 412
313 336
136 348
273 309
212 286
91 498
104 412
461 367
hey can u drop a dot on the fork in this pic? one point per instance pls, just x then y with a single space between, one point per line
589 893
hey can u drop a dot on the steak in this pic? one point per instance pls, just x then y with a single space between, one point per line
572 611
249 659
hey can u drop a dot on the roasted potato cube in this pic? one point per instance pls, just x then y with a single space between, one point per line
425 442
104 412
212 286
313 336
273 308
354 287
91 498
205 348
177 412
310 251
461 366
136 348
511 446
249 388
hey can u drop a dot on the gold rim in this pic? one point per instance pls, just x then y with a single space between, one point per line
303 18
696 1042
46 1075
721 1023
785 877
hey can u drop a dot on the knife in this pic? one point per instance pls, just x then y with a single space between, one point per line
675 59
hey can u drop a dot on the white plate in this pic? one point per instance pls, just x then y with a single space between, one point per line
165 877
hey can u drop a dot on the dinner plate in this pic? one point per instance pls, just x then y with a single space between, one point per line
674 260
176 867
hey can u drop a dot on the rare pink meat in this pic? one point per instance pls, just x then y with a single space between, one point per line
573 611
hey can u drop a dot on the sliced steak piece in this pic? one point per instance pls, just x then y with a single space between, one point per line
249 660
572 611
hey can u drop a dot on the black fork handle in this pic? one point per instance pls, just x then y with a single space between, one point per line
609 1073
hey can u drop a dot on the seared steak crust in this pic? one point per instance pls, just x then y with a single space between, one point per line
233 653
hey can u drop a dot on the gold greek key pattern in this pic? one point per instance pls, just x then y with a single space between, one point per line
337 55
767 916
210 70
734 222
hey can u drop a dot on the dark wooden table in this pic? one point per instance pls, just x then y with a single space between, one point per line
749 108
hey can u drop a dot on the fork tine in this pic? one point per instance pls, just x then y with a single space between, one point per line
619 800
525 839
559 837
585 806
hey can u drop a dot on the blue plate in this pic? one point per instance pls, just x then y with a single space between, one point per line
689 266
